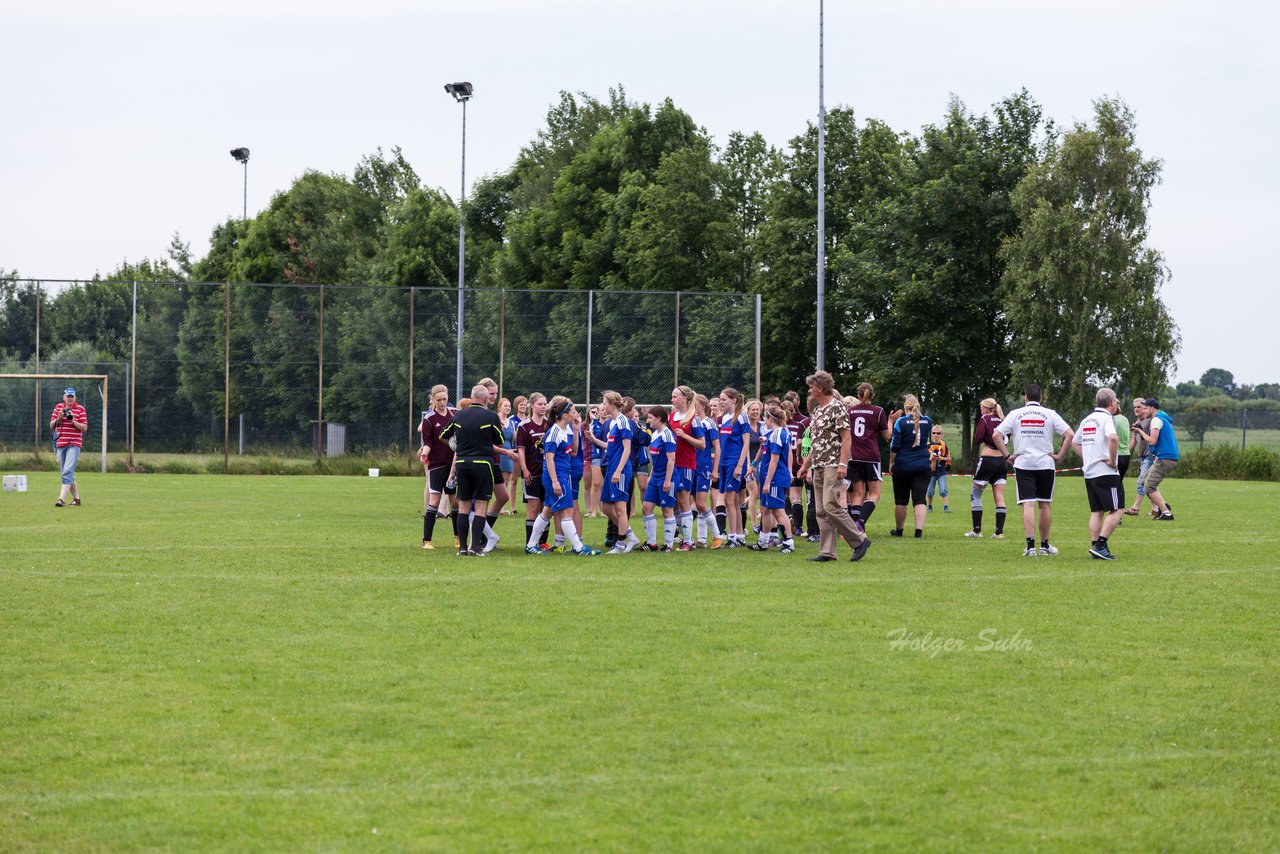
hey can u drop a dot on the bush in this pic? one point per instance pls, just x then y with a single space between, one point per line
1226 462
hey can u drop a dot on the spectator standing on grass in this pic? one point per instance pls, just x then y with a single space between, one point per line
828 453
940 464
1164 452
1139 448
68 423
909 465
1099 444
1032 428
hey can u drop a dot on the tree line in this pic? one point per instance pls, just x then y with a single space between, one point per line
984 251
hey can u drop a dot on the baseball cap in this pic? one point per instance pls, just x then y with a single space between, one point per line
1152 402
69 391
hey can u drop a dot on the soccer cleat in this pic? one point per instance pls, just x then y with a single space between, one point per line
545 548
895 532
1101 552
997 536
814 538
426 544
617 550
786 550
457 544
685 547
1031 552
718 543
977 534
1048 551
1165 517
758 547
860 552
532 550
492 543
586 551
464 553
649 547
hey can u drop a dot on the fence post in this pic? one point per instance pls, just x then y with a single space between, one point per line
1244 426
133 369
320 384
757 346
226 380
36 420
408 444
591 304
676 380
502 342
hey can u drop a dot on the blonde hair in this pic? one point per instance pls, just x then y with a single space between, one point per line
613 399
849 400
515 404
689 399
990 403
777 414
437 388
703 401
628 405
911 405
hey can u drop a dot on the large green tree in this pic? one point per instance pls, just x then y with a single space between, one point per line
1083 285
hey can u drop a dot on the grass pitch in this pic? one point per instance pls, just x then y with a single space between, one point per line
271 663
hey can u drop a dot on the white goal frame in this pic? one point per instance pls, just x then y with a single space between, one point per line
102 389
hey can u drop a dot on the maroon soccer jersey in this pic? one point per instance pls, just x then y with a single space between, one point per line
438 451
796 427
866 423
529 436
983 433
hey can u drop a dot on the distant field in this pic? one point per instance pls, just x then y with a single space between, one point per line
272 663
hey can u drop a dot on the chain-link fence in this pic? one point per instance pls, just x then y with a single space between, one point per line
294 370
1222 421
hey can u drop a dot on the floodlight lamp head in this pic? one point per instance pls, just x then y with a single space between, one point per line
240 154
459 91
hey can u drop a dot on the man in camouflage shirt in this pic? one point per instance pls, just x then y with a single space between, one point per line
829 432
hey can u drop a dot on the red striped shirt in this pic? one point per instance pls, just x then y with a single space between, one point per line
69 436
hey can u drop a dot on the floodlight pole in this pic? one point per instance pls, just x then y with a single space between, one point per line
822 199
244 209
462 244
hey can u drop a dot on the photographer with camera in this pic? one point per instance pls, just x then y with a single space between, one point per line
69 423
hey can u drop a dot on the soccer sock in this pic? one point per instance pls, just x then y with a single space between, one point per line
1031 542
535 530
669 531
490 520
713 524
651 529
571 533
1000 514
797 515
464 531
855 513
722 518
542 538
686 526
1044 544
529 525
977 521
478 524
631 537
868 507
453 521
919 533
428 524
744 518
702 528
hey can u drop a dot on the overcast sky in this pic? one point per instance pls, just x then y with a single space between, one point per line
119 116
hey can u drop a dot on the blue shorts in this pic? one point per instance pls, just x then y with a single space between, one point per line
654 495
549 499
683 480
702 481
774 498
611 494
729 483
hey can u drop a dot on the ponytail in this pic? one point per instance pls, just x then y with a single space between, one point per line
865 393
990 402
689 398
912 405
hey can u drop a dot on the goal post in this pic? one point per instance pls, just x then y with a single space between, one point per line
102 380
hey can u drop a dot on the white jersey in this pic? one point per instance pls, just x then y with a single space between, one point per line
1092 439
1032 428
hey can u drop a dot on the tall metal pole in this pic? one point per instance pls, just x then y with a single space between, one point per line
320 385
822 200
676 381
133 370
244 212
36 450
226 381
502 342
591 306
462 246
758 347
413 415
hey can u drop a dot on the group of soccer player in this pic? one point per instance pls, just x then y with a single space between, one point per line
697 466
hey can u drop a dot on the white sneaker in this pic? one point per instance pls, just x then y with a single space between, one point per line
1048 551
977 534
631 542
492 544
618 549
1031 552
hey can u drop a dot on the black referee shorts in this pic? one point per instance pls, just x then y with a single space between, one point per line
1034 484
1106 493
475 480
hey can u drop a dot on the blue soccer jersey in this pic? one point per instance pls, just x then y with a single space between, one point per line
661 444
706 454
775 444
619 430
734 431
556 443
599 429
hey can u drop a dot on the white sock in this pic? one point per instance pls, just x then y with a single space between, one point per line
686 525
702 529
630 536
651 530
669 531
709 519
539 525
571 532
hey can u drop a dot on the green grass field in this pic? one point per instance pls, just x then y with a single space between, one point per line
271 663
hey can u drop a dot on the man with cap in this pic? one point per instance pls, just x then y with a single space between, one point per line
1163 447
69 423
